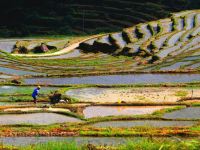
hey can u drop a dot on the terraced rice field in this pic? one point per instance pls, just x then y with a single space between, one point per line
147 47
142 81
151 42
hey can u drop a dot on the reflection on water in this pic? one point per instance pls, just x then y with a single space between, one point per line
102 111
187 113
37 118
117 79
7 45
137 123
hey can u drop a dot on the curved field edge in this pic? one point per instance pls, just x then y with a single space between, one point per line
83 129
73 44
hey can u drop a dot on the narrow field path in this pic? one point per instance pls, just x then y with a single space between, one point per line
60 52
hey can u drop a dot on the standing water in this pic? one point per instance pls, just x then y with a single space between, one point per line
117 79
7 45
102 111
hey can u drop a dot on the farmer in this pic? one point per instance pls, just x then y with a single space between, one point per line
35 94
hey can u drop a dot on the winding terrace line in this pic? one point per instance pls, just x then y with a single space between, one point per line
61 52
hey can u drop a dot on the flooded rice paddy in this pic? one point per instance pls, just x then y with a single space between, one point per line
16 71
109 141
102 111
37 118
7 45
23 141
186 113
117 79
166 46
23 89
139 123
176 66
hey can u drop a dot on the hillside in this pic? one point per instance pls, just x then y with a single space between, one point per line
35 17
172 41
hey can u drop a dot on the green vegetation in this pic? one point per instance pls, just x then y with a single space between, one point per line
151 29
160 144
181 93
196 21
20 98
138 32
150 58
196 104
37 46
142 144
175 23
155 44
185 22
76 17
160 28
160 113
25 90
84 128
23 93
143 48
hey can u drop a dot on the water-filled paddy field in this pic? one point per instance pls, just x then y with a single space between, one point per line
20 141
23 141
7 44
147 123
118 79
102 111
37 118
187 113
16 71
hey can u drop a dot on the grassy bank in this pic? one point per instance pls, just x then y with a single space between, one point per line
144 144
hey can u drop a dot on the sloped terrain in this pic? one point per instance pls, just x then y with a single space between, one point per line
35 17
165 45
174 41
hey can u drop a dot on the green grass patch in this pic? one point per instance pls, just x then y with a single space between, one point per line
181 93
140 144
196 104
161 145
195 128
